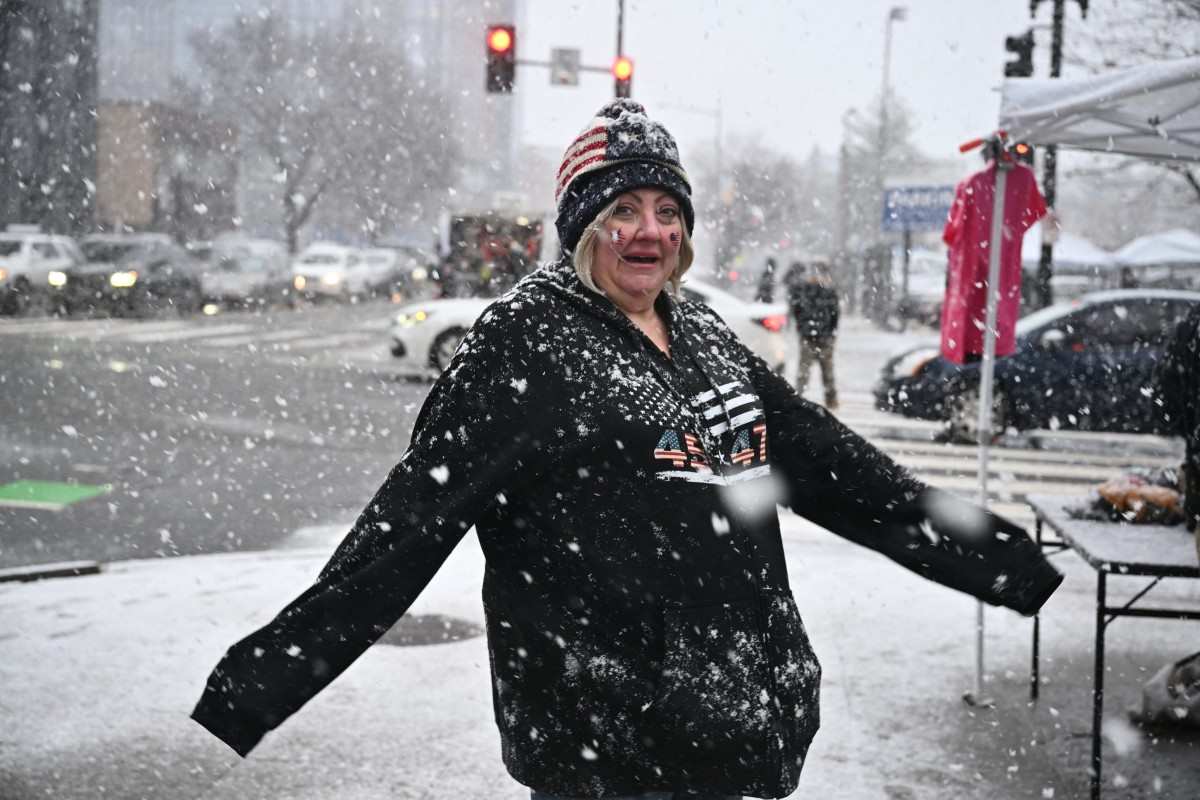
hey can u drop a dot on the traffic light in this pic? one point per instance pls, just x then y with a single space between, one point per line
623 73
501 44
1022 48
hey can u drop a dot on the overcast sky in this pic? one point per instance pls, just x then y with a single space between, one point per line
786 71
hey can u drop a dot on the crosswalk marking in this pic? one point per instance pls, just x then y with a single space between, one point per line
201 333
1003 464
1051 463
1028 455
145 331
332 340
185 333
255 338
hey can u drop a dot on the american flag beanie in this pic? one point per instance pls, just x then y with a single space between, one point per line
621 149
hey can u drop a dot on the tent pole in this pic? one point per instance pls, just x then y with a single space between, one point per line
986 379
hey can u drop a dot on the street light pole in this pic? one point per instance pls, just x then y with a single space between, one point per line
895 13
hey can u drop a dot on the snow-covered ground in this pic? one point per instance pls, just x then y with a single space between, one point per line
99 673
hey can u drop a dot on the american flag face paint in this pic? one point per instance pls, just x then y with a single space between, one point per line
675 238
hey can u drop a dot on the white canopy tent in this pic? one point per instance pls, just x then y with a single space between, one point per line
1151 111
1072 252
1174 248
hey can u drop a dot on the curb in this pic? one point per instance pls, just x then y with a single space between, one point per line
37 572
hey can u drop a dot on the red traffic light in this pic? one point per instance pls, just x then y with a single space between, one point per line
622 70
500 38
501 54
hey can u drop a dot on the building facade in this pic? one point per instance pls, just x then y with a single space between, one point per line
145 46
48 96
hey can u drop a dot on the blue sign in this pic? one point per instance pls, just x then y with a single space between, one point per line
916 208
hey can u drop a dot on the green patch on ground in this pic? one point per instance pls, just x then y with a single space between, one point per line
52 495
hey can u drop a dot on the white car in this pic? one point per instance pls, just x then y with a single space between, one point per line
763 327
384 267
241 271
33 266
424 335
331 270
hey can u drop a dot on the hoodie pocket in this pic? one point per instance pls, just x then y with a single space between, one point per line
796 674
714 696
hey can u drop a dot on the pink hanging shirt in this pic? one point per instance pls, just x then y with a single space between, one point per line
967 234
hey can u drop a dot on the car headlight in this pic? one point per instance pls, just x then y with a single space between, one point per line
410 318
123 280
3 274
420 274
331 278
56 278
300 282
911 364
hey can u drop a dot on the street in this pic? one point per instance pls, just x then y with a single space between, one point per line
211 434
269 432
229 433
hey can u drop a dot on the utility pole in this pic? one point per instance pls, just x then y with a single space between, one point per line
1045 294
620 31
882 280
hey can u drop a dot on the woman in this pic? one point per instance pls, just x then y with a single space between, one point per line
620 455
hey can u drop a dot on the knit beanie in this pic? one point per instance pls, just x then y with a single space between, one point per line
621 149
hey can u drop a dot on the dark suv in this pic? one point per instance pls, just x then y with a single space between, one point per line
135 277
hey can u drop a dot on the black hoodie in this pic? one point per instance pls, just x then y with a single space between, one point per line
642 632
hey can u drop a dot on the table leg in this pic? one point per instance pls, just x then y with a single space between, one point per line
1037 621
1098 684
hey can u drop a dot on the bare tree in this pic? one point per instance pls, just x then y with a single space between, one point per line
767 201
1138 32
871 154
335 113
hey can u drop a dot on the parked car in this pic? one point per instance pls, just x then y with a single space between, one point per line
242 280
331 270
242 271
33 268
1084 365
426 334
112 247
135 276
416 267
384 267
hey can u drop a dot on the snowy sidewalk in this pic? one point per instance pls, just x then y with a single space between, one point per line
100 672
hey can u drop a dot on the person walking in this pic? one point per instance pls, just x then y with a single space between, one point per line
814 306
765 292
620 454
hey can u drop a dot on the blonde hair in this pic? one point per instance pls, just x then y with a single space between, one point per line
584 253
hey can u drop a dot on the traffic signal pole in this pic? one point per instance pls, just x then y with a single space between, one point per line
620 28
1045 294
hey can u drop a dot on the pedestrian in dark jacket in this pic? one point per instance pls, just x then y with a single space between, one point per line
765 293
1179 394
620 455
814 306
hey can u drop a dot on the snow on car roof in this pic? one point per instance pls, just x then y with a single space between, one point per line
1139 294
